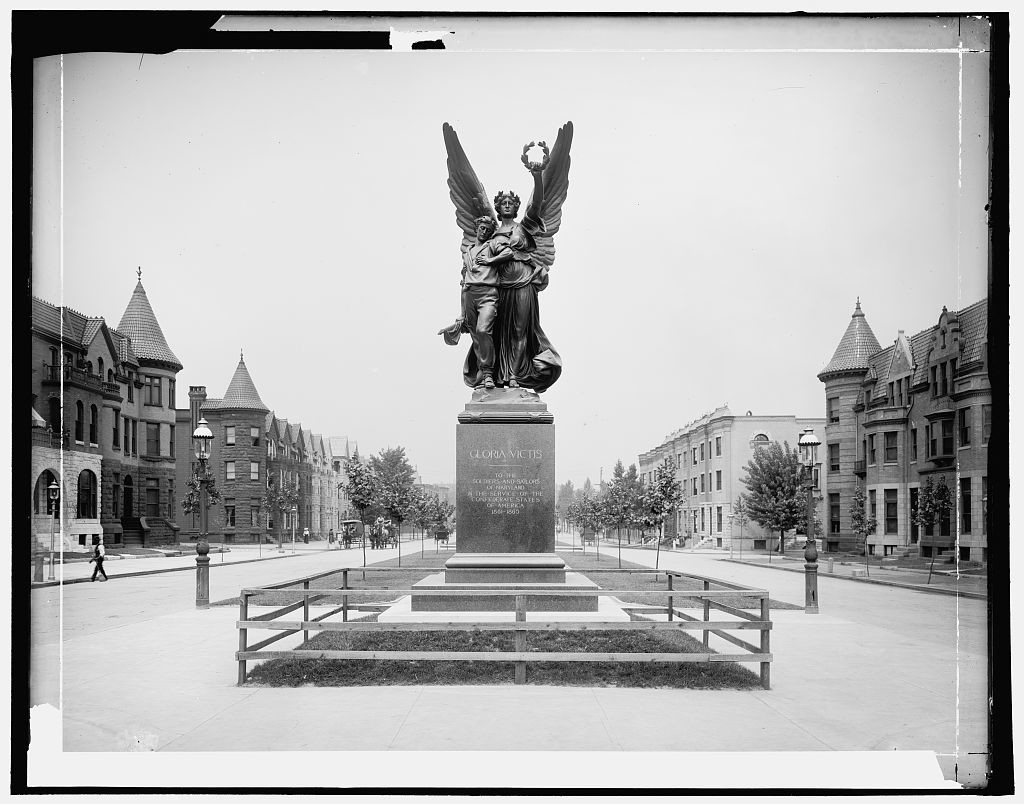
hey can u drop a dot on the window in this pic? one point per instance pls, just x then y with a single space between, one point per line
718 519
229 435
99 366
984 505
833 457
873 505
152 497
891 520
86 495
94 425
170 393
964 415
833 409
170 499
871 450
943 388
930 440
171 453
833 513
891 451
965 505
54 412
694 456
135 437
718 480
701 520
153 440
702 450
254 434
131 386
947 436
760 438
935 381
899 392
154 392
695 520
892 394
229 470
701 482
695 487
254 470
116 441
913 443
54 358
718 446
79 421
914 528
127 436
41 500
986 423
229 513
115 501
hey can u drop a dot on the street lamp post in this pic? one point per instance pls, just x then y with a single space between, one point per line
295 510
202 439
809 444
53 492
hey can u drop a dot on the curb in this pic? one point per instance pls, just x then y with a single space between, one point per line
933 589
41 584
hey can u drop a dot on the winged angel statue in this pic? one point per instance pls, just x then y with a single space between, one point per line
505 264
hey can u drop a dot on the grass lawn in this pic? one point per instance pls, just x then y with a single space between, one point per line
299 672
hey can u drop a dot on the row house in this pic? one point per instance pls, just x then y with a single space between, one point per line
920 408
254 449
103 410
709 456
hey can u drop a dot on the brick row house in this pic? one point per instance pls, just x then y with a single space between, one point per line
709 455
103 409
920 408
252 449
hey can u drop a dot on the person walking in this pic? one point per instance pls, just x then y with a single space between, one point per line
97 556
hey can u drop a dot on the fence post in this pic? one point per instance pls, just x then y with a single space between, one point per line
520 639
344 597
707 612
766 680
671 613
305 611
243 615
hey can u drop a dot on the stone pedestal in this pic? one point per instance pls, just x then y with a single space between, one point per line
505 510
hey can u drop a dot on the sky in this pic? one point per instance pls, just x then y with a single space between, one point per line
733 191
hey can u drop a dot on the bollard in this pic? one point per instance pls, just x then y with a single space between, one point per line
810 578
202 575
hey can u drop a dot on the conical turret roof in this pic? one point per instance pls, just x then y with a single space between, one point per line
857 345
139 323
242 393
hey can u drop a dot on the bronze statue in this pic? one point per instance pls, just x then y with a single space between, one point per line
505 265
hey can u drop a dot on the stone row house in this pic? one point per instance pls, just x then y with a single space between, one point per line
918 409
102 427
709 455
254 449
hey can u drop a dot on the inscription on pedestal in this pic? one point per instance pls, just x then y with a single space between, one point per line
505 488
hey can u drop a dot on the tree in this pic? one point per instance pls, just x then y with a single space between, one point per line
395 477
191 501
660 498
861 522
740 516
360 486
566 494
423 510
275 502
934 503
774 490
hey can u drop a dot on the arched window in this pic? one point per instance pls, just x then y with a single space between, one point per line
760 438
41 498
110 375
94 425
99 366
87 495
79 420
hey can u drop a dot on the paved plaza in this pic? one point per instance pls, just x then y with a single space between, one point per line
133 666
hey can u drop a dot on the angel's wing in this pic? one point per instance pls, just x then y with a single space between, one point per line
556 186
467 192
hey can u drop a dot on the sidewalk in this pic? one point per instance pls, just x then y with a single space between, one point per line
853 678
